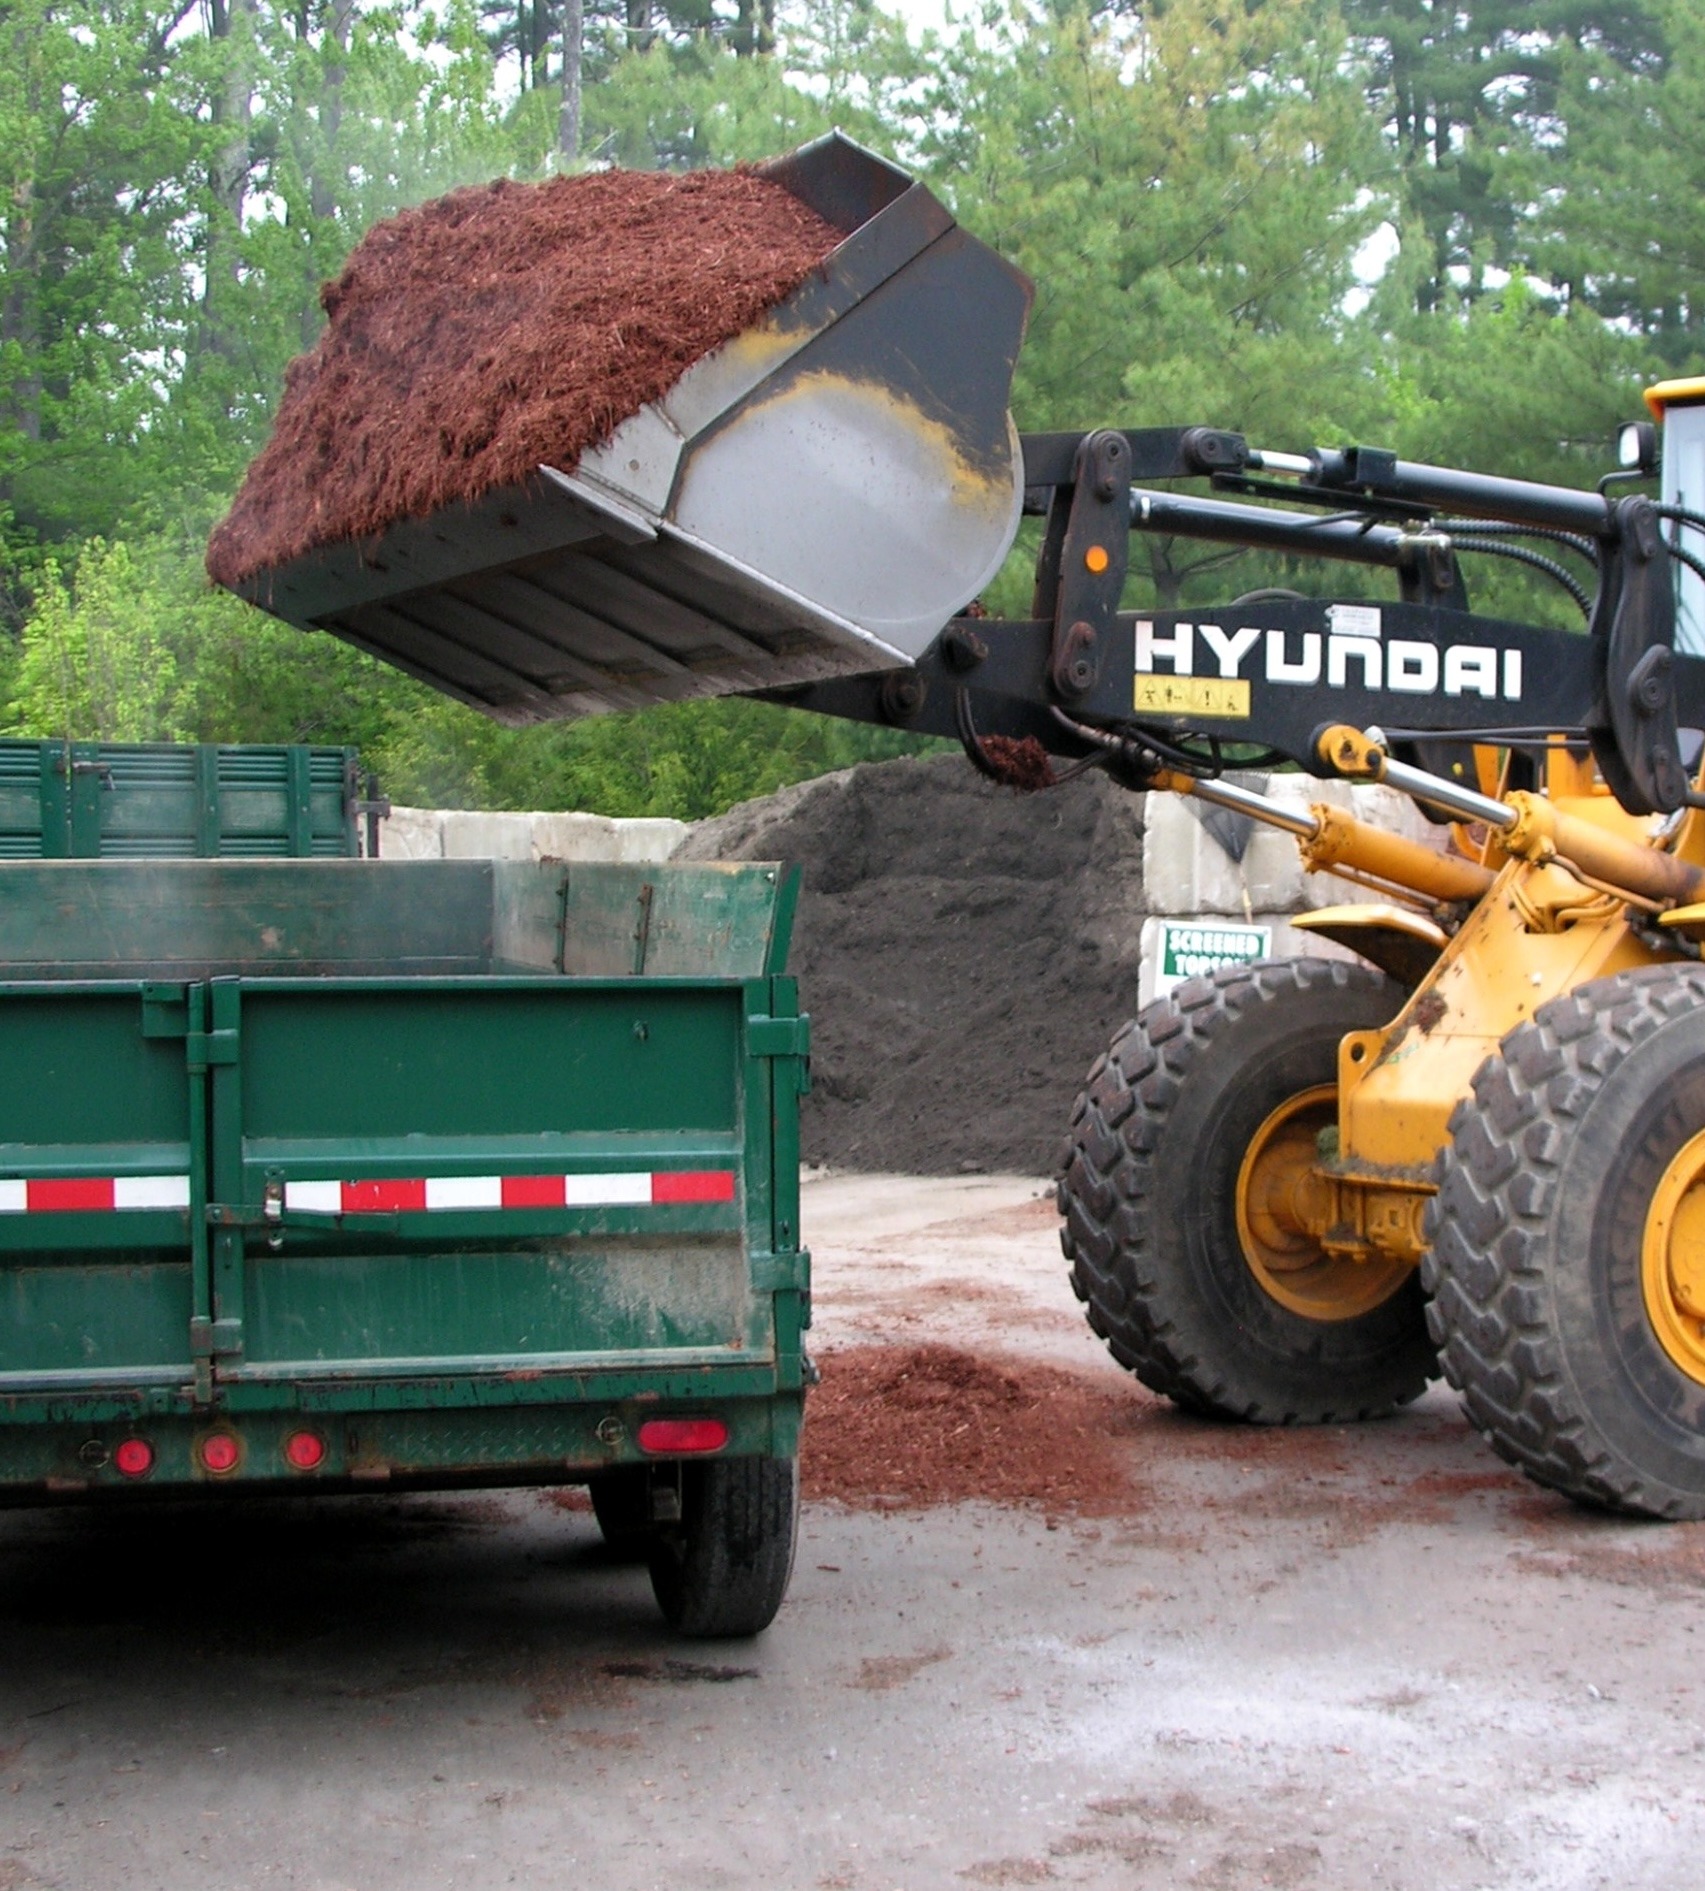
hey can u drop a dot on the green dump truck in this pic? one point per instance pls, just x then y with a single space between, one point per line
333 1175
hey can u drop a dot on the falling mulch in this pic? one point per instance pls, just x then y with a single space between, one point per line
1024 765
965 953
503 327
913 1427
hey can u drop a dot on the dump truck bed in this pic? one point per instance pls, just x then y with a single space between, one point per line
456 1169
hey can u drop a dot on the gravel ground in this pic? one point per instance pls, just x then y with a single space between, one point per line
1338 1658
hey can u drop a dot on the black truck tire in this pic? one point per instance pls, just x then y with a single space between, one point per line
1559 1234
724 1568
1161 1140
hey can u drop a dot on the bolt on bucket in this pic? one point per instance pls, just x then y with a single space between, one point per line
813 498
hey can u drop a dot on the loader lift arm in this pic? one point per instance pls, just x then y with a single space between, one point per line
1173 690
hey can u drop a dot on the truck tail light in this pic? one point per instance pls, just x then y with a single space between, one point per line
675 1437
133 1457
304 1450
219 1452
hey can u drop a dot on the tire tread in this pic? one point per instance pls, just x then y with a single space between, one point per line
1484 1270
1107 1179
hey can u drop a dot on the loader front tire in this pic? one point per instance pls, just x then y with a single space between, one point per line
723 1569
1567 1259
1165 1149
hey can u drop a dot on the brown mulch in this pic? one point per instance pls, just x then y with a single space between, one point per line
912 1427
1023 765
501 327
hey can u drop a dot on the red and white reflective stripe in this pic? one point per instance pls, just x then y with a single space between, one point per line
431 1194
84 1194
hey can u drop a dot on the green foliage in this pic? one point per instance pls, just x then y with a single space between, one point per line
1189 188
681 106
1186 190
132 644
97 150
685 760
96 661
1631 177
1481 101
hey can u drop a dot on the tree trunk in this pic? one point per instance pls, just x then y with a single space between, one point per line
568 125
327 175
334 68
539 42
231 22
639 24
755 27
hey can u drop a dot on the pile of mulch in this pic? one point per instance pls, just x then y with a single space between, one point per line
912 1427
965 953
503 327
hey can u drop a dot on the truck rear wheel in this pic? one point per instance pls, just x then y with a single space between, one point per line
1183 1146
1567 1264
724 1568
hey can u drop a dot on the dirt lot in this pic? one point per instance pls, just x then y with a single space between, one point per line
1318 1659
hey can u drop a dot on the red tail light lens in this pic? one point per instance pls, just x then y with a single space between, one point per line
133 1457
677 1437
305 1450
220 1452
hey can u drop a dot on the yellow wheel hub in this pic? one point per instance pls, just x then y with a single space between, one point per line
1672 1260
1283 1200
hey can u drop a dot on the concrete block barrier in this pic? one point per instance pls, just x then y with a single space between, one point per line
464 834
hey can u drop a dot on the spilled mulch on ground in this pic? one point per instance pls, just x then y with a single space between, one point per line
1663 1558
911 1427
501 327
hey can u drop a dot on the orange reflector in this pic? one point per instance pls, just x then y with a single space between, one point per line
677 1436
1096 559
220 1452
134 1457
305 1450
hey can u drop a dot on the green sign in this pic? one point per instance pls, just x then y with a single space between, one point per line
1192 951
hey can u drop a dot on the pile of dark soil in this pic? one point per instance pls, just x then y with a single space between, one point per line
916 1426
501 327
965 953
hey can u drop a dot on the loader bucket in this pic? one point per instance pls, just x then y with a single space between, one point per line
815 498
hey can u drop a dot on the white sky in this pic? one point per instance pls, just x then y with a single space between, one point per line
919 14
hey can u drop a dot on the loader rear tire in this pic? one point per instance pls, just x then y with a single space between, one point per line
723 1569
1567 1259
1150 1189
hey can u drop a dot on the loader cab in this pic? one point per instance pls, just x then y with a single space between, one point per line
1680 407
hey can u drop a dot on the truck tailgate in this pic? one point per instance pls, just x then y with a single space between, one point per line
343 1136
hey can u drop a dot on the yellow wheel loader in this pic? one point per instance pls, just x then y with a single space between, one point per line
1291 1192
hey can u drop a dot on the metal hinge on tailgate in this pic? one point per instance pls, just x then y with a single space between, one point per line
166 1013
204 1049
778 1037
782 1037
